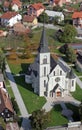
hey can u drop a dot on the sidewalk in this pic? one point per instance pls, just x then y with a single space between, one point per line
23 110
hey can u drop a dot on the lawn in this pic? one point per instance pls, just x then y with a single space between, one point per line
77 72
56 117
31 100
78 93
75 110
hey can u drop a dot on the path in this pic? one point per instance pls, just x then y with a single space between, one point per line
23 110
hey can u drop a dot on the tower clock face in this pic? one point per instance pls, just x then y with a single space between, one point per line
57 79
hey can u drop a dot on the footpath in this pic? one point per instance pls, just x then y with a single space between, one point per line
23 110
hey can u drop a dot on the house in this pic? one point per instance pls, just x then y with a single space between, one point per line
35 9
77 19
6 5
9 18
48 76
16 5
29 20
20 29
53 14
79 61
59 2
6 109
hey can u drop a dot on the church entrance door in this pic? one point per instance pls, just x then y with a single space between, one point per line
58 94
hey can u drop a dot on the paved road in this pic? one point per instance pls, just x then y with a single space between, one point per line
23 110
49 26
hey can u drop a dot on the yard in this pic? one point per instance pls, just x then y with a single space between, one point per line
78 93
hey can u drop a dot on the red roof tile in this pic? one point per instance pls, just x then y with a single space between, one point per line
17 2
28 18
5 101
77 15
9 15
6 4
37 6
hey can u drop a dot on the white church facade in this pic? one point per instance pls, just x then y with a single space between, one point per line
49 77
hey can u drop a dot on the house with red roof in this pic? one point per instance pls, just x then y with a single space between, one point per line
16 5
59 2
29 20
9 18
6 108
36 9
77 19
6 5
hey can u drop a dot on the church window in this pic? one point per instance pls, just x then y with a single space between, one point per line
72 82
60 72
44 83
44 71
45 60
54 73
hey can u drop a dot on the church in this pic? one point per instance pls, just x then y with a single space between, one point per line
49 77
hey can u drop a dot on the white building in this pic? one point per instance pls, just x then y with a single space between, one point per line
10 18
53 14
48 76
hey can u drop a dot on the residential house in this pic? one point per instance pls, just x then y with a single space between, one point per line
29 20
77 19
36 9
16 5
6 5
53 14
19 29
6 109
8 19
59 2
48 76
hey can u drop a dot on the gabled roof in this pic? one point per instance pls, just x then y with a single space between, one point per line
37 6
17 2
6 3
28 18
77 15
71 75
5 101
9 15
43 47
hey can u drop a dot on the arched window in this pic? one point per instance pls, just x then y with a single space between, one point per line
45 60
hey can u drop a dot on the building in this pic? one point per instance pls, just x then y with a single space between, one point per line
49 77
16 5
53 14
6 108
36 9
77 19
9 18
29 20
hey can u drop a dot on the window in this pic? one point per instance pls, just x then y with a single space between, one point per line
44 71
54 73
44 83
45 60
60 72
72 82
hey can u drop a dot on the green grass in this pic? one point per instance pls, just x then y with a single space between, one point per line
31 100
75 110
56 117
2 123
78 93
77 72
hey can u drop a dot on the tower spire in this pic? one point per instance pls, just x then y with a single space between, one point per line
43 47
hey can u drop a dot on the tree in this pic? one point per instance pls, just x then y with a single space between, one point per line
43 18
70 54
39 119
68 34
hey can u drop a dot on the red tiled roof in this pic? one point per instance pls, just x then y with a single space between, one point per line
6 4
37 6
17 2
9 15
77 14
5 101
28 18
